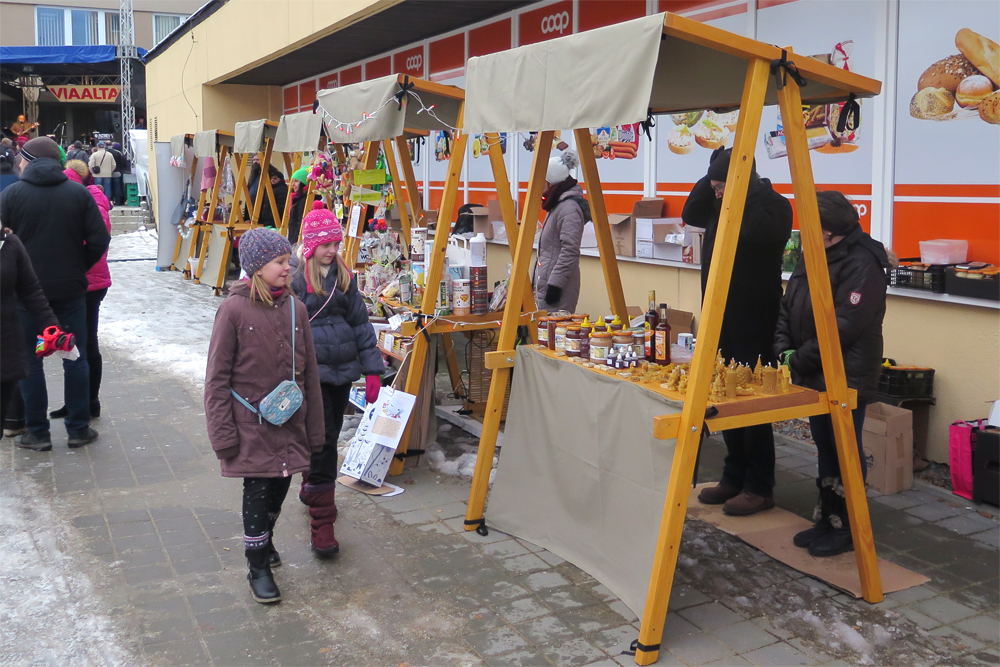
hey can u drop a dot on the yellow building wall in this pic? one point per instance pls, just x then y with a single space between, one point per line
962 343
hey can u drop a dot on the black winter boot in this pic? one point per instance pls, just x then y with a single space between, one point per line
838 539
821 517
262 585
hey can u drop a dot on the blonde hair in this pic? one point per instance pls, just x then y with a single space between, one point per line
261 291
80 167
313 271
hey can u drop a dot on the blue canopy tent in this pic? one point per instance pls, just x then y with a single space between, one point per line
99 60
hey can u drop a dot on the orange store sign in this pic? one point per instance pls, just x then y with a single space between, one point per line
85 93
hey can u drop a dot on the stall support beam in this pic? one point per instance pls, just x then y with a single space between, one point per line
432 281
287 213
204 231
602 228
401 194
686 451
354 243
412 192
180 223
818 275
519 282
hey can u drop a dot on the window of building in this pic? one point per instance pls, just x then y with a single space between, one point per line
51 27
163 25
111 29
85 27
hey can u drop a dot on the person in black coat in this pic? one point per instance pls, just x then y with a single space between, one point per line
858 278
64 234
747 483
18 283
300 187
280 189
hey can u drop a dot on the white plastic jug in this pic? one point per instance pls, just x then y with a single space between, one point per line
478 248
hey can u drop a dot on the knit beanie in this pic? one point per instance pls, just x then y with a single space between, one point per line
718 167
319 226
41 147
260 246
561 166
301 175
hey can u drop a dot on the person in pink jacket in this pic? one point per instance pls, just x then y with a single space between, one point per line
98 282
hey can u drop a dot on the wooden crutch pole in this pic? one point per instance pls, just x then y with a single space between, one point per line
695 401
519 280
824 311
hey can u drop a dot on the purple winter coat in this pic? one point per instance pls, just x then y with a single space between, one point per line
249 353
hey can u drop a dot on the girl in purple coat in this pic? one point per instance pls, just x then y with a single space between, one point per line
250 354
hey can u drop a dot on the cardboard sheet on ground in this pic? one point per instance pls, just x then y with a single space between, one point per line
386 490
772 533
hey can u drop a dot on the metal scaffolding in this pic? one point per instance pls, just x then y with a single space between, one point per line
126 54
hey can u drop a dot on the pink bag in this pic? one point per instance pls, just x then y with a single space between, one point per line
961 445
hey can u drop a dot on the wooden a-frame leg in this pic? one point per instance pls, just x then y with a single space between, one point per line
519 279
689 435
354 243
206 230
412 191
435 268
454 374
818 275
180 223
508 210
401 195
602 228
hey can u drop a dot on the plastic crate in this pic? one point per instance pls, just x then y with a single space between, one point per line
906 382
987 287
132 194
929 278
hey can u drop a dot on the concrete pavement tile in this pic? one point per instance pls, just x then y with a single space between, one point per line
203 602
519 611
699 649
125 482
675 627
967 523
590 619
616 640
923 621
731 661
400 504
576 651
225 620
568 597
983 628
197 566
133 559
944 610
622 609
544 630
95 533
603 592
540 581
911 595
525 657
482 619
743 636
307 653
185 536
89 521
897 501
683 596
166 628
955 640
551 558
277 630
475 538
504 549
179 552
182 652
243 647
934 511
496 642
148 573
155 479
524 564
778 655
130 529
416 517
530 546
989 537
101 548
810 650
176 523
710 616
764 623
435 527
501 590
975 569
447 511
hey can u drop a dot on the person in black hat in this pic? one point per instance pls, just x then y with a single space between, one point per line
747 484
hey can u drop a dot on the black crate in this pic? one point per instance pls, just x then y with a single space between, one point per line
929 278
986 467
982 288
907 382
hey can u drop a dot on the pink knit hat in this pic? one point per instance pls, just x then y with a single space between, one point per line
319 226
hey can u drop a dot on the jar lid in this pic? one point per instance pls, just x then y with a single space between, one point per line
543 319
602 334
574 327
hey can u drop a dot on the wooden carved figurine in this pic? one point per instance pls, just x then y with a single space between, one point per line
758 371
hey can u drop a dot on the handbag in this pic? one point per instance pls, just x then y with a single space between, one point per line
278 406
961 445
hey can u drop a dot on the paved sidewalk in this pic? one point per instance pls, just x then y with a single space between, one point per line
140 541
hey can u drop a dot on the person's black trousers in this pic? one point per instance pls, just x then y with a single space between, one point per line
94 359
262 500
323 466
749 462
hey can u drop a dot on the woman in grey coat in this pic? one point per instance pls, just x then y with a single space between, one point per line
557 274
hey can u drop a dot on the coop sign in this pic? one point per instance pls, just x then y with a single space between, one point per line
98 94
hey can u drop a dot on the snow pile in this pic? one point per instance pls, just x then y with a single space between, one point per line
158 318
50 617
462 466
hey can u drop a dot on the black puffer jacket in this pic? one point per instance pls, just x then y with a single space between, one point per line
857 276
346 347
18 283
755 289
60 226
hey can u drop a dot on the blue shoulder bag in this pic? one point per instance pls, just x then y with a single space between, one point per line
278 406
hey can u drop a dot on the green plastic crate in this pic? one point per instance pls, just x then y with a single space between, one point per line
132 194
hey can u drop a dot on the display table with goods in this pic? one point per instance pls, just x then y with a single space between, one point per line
209 169
671 65
382 111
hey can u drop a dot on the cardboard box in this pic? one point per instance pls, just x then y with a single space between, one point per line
888 446
680 321
481 221
493 208
646 228
622 234
650 250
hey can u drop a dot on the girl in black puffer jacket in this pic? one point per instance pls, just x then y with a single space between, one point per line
857 265
346 349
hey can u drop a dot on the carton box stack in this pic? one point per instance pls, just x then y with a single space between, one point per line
888 447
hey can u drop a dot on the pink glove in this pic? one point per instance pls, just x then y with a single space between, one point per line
373 385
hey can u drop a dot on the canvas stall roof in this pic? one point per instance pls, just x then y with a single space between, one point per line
348 106
298 132
205 143
616 75
249 135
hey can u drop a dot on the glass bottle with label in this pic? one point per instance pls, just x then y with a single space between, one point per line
652 319
661 338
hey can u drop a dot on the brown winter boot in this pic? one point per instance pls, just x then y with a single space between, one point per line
718 494
323 513
747 503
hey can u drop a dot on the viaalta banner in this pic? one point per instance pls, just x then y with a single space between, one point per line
107 94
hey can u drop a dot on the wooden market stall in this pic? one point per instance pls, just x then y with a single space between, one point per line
183 242
666 64
208 145
296 135
385 111
255 137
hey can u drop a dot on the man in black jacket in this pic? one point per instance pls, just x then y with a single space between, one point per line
278 186
857 264
62 229
747 484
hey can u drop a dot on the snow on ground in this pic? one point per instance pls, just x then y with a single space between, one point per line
161 320
48 615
